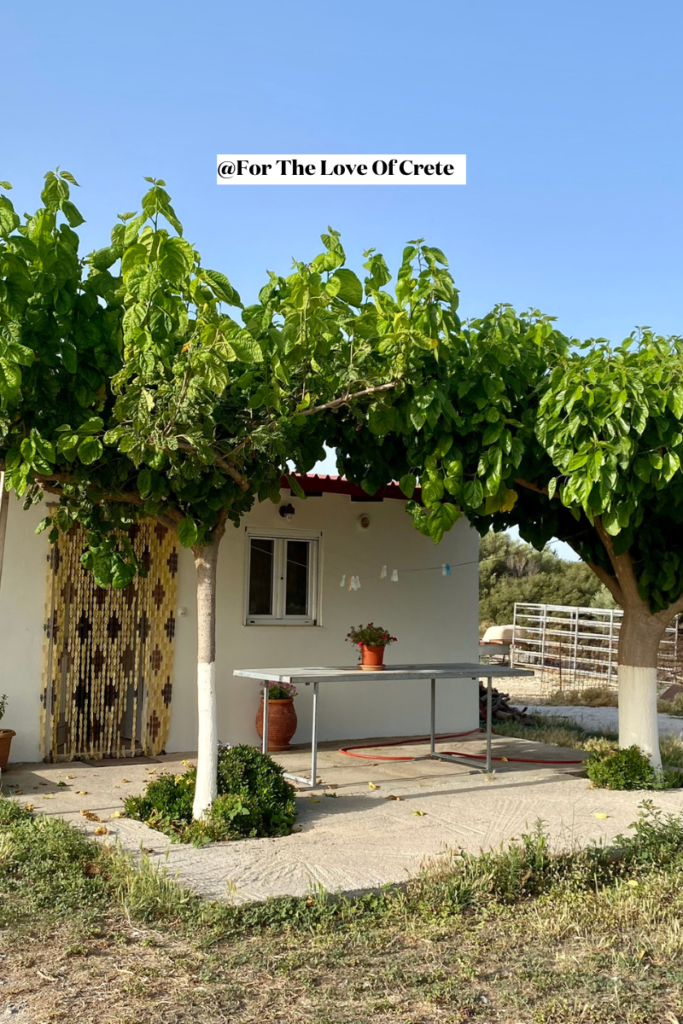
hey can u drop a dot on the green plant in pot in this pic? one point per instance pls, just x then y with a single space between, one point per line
282 721
5 735
371 641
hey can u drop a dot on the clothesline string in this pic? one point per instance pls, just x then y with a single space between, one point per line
426 568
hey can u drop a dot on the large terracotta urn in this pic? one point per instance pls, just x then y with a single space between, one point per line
281 723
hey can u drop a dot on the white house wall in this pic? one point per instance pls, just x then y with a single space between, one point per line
22 611
435 618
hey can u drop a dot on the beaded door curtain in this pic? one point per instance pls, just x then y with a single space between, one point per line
108 654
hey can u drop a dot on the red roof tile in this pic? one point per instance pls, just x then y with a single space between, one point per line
314 483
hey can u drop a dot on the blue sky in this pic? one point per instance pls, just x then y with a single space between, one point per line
569 113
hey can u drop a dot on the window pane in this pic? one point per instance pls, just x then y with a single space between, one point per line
261 577
296 602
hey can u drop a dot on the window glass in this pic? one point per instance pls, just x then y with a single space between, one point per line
296 592
261 577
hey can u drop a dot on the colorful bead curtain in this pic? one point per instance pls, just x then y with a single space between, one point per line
108 654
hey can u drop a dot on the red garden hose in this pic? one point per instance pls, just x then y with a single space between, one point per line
455 753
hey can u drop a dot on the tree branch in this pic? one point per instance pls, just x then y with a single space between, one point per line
170 518
347 398
222 461
531 487
623 565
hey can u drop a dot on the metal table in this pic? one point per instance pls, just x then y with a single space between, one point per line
318 674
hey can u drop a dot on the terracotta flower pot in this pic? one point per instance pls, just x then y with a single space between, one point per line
281 723
5 743
372 659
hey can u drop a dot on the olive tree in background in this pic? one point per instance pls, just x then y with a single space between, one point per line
511 571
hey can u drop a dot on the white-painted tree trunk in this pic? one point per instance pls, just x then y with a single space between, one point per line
206 560
207 739
639 639
638 711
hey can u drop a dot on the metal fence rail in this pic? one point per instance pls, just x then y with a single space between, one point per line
573 647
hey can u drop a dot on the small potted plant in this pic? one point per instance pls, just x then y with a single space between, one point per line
371 641
5 735
281 715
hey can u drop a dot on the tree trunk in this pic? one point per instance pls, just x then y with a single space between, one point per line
206 560
639 639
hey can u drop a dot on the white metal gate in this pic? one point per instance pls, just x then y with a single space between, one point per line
574 647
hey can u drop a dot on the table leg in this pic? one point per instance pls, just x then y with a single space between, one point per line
433 720
488 723
314 736
264 742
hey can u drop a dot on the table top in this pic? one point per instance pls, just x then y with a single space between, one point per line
350 673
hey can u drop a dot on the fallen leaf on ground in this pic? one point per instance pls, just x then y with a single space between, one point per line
315 800
373 786
101 830
393 796
71 776
28 807
81 792
118 814
420 814
91 816
503 758
125 780
332 785
18 792
600 815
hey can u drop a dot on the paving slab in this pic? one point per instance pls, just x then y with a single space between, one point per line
351 837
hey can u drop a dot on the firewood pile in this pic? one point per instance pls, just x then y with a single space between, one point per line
501 709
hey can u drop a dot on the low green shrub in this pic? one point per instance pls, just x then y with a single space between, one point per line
46 865
599 745
254 800
628 769
166 804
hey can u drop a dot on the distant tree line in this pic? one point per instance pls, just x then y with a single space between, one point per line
510 571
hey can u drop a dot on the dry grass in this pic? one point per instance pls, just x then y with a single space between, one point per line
611 956
519 937
604 697
671 707
589 697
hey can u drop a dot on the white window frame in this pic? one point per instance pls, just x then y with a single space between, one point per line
280 538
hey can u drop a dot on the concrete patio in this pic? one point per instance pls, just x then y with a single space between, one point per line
352 835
